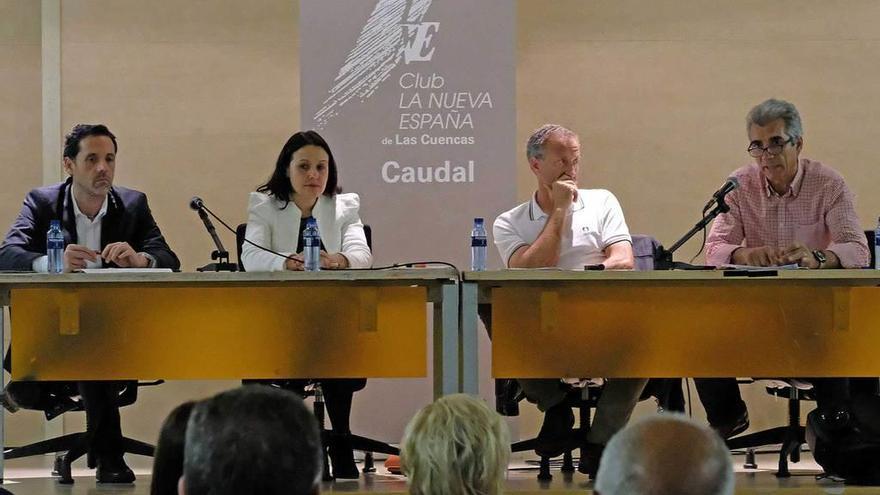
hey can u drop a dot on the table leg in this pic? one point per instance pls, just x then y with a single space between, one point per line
2 389
470 344
446 342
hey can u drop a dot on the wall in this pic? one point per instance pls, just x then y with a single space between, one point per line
203 94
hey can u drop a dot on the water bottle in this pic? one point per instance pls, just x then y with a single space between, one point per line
478 246
877 246
311 247
55 247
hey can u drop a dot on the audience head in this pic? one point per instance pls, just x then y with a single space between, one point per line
456 446
168 460
554 153
665 455
286 181
253 439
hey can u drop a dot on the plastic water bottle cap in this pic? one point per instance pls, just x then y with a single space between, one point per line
478 220
55 223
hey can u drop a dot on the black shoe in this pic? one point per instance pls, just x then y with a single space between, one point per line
342 457
114 471
555 434
836 420
591 455
733 428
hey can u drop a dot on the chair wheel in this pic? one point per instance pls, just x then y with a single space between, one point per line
56 467
544 472
63 467
567 463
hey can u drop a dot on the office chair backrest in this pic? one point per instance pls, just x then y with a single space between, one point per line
644 247
871 243
242 228
239 242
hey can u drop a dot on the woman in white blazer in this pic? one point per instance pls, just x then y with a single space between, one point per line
303 186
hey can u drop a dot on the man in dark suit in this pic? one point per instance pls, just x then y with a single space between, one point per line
103 226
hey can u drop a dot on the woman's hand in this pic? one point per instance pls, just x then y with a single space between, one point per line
335 261
294 263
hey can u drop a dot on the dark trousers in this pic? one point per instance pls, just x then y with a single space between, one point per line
723 403
101 403
338 395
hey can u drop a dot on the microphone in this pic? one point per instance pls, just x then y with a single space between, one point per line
729 185
221 254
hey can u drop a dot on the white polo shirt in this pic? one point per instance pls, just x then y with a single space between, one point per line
594 222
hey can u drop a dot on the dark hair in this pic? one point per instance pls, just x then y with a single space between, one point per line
168 460
82 131
279 184
253 439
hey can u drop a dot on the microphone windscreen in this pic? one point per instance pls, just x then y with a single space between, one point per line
196 203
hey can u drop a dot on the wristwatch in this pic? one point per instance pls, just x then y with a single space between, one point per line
820 257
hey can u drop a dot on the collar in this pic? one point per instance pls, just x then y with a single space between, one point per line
536 213
78 213
793 189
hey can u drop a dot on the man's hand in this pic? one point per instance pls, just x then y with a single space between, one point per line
563 192
799 253
76 256
757 256
124 256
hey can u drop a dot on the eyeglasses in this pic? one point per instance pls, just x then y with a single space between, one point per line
772 149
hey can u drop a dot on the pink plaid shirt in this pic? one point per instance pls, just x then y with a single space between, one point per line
817 210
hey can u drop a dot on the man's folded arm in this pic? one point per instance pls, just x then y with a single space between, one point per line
153 243
542 253
16 251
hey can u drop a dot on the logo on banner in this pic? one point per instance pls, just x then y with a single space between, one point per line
420 36
377 53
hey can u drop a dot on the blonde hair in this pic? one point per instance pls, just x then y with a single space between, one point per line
456 446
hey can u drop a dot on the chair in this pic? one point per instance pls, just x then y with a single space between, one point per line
65 398
791 436
870 234
366 445
508 393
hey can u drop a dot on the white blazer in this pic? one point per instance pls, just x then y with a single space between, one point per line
275 228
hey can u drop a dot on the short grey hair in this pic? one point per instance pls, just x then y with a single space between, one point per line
535 144
666 454
773 109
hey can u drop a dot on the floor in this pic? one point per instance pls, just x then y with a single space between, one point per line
32 477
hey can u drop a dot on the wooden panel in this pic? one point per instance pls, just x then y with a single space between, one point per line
215 333
715 330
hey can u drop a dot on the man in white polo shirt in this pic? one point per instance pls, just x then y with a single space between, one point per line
566 227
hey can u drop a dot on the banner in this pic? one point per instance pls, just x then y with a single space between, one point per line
417 101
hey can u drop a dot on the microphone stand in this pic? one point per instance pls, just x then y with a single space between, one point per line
663 257
221 255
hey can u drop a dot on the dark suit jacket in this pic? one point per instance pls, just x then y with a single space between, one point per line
128 219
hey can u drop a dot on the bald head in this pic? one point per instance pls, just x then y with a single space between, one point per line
665 454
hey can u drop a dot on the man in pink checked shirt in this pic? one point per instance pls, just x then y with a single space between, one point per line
787 210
